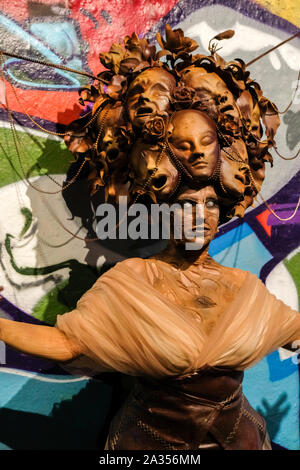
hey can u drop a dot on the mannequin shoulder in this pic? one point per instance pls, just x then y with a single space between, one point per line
135 265
234 276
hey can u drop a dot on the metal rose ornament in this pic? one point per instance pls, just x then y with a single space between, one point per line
152 171
176 41
194 144
155 128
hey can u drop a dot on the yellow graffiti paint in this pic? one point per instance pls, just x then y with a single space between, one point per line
287 9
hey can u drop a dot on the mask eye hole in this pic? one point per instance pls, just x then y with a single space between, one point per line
159 182
112 154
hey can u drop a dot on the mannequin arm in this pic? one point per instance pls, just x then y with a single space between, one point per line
42 341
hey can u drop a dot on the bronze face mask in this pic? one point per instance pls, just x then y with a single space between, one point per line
194 143
250 113
79 138
199 79
149 93
144 158
112 144
234 168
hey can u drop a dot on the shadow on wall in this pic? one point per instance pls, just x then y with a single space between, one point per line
274 414
80 423
292 119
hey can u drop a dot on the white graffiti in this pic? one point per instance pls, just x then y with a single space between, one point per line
247 38
42 247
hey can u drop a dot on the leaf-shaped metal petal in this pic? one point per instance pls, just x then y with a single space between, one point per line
245 103
160 40
270 117
162 53
229 33
141 66
127 65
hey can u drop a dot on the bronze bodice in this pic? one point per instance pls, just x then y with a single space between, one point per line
205 410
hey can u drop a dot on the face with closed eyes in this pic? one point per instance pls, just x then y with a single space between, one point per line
194 142
149 93
211 211
234 175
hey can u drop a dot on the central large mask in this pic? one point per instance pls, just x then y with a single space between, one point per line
194 143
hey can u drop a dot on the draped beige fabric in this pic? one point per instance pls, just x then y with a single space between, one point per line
125 323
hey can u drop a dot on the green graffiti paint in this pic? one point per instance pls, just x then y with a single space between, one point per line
28 220
34 271
42 156
293 267
64 297
50 306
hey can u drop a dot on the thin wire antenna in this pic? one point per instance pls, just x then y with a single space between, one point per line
49 64
273 49
282 219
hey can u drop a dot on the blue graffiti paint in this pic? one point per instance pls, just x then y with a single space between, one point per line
106 16
240 248
280 369
61 37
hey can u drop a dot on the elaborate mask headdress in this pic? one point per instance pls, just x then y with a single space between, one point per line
169 81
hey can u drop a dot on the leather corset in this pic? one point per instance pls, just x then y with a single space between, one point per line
205 410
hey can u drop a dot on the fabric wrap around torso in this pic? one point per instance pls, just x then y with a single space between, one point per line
124 323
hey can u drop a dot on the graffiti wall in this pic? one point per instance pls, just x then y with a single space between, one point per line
45 264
